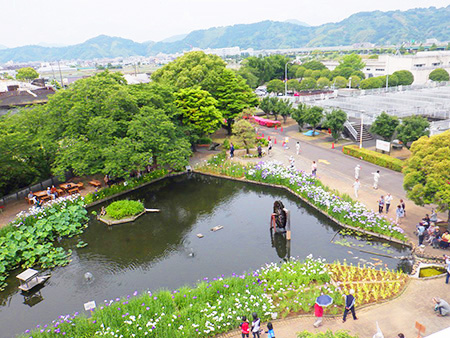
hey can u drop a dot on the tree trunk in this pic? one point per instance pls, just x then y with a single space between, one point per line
284 118
229 123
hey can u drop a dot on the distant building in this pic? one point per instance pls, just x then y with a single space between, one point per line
420 64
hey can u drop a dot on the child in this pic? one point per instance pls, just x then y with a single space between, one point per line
318 312
244 327
255 325
270 333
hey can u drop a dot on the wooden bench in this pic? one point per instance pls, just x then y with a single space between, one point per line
95 183
74 190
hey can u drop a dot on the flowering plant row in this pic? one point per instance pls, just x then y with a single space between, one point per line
213 306
345 210
29 240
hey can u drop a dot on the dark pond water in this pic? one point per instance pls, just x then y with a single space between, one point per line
162 250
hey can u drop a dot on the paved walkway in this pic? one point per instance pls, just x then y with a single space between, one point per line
336 170
398 315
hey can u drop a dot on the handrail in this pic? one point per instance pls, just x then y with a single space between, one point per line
351 129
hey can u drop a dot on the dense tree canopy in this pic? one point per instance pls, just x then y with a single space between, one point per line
313 116
335 122
404 77
427 174
275 86
267 68
27 73
97 125
385 126
412 128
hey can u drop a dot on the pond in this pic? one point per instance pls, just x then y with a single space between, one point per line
162 250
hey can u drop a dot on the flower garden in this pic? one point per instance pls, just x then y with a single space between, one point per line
341 208
216 305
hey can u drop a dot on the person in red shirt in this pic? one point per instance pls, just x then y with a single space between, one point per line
318 312
244 327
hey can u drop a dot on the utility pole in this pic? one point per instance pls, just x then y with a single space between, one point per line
361 132
285 79
60 75
387 73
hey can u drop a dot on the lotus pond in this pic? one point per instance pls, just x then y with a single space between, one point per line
163 251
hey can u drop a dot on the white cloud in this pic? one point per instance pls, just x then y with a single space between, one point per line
74 21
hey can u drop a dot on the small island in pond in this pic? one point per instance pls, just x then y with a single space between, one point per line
123 211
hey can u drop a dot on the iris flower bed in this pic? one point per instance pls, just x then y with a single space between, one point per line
342 208
213 306
345 210
29 240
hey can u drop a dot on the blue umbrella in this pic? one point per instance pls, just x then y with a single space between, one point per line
324 300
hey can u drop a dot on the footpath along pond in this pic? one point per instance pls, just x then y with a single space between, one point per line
162 250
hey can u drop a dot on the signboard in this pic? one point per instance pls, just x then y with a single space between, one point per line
383 145
89 305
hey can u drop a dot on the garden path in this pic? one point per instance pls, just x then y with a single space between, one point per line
336 170
398 315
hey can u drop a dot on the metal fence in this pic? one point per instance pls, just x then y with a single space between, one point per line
22 193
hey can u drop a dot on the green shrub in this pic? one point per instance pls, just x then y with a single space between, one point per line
124 208
204 140
226 144
371 156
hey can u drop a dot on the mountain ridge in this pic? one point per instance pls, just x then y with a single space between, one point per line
381 28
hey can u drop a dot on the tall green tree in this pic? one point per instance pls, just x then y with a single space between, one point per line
192 69
313 116
293 85
158 137
385 126
244 134
412 128
284 109
298 114
27 73
427 175
308 83
313 65
233 95
199 113
335 121
439 75
323 82
340 82
266 105
275 86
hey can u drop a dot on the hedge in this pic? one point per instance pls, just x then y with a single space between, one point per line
371 156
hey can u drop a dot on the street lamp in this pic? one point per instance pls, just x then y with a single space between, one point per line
361 131
285 77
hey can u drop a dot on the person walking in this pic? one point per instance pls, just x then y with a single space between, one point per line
297 148
270 332
231 150
259 150
269 147
357 171
399 214
286 142
356 186
402 203
381 204
318 312
245 330
421 233
256 325
292 162
447 261
349 305
314 168
387 201
376 178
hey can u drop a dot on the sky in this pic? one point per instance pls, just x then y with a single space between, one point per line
67 22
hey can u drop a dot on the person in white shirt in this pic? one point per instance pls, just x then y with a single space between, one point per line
376 178
297 148
387 201
356 186
314 168
357 170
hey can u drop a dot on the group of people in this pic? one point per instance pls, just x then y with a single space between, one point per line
255 327
52 192
349 304
428 232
